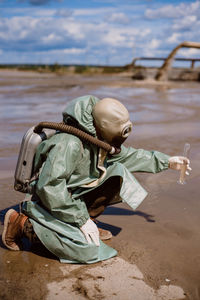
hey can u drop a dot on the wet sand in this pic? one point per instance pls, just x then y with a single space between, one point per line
159 243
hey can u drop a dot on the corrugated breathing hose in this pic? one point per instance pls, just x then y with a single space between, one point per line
79 133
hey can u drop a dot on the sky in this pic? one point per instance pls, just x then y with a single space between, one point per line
99 32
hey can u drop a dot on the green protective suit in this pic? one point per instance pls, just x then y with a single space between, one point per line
67 167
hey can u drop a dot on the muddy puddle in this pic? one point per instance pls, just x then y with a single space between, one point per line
162 236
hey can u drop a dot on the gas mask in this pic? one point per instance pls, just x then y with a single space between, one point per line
112 122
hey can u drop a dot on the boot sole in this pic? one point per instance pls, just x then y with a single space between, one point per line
6 223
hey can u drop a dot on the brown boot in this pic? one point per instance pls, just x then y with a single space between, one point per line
13 229
104 234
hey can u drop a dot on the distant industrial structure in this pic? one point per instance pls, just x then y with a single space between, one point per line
163 71
192 60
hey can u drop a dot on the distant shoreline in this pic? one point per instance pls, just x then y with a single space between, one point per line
136 72
66 68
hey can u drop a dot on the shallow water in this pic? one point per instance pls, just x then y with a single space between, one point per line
23 105
164 118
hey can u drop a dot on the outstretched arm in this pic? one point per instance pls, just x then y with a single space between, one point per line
139 160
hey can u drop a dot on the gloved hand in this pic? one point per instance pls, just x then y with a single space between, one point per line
91 232
175 163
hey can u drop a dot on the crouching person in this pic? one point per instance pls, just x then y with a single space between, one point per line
77 181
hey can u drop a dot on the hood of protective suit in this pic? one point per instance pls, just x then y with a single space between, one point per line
78 113
111 118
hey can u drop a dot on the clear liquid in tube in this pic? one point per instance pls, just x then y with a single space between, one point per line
184 166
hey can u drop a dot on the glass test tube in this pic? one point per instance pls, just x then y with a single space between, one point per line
184 166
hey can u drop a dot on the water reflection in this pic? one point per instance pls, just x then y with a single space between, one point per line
185 96
146 105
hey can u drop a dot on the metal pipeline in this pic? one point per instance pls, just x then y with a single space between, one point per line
77 132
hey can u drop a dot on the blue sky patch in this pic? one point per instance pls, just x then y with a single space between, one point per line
95 32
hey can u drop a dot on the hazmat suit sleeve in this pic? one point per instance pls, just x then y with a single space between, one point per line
61 158
139 160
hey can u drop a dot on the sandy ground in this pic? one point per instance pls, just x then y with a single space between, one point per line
158 244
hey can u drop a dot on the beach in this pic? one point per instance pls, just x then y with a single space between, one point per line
158 244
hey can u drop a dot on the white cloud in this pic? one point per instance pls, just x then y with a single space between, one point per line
75 29
71 51
174 38
43 12
173 11
52 34
185 23
32 32
30 12
123 37
162 12
74 51
66 13
118 17
92 11
68 35
154 44
189 52
114 38
17 28
181 22
52 37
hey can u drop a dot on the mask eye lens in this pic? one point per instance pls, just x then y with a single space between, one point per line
126 131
